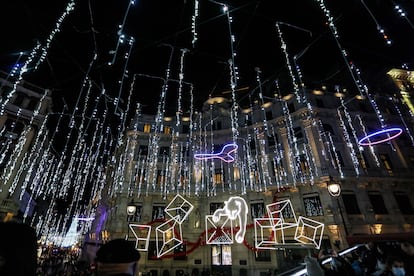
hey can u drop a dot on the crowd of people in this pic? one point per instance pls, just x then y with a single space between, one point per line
371 259
20 256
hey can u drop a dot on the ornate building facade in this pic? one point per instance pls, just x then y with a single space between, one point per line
21 118
286 149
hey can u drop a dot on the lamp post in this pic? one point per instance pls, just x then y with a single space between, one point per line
130 209
334 189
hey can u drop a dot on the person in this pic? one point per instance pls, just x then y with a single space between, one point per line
337 266
394 267
408 257
18 249
313 268
369 258
117 257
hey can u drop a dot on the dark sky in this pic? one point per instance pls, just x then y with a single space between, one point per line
154 24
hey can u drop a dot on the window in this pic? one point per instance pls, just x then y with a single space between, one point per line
165 151
272 140
160 177
218 177
214 206
351 203
167 130
135 217
257 210
291 108
147 128
186 128
363 107
363 161
298 132
319 103
304 166
340 160
19 99
313 206
143 150
377 203
152 251
262 256
221 255
269 115
139 177
386 161
180 252
182 211
404 203
158 212
328 128
32 105
217 125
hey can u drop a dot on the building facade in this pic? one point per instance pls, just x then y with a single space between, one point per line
20 121
289 148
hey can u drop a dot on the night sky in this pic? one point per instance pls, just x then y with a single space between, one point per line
159 26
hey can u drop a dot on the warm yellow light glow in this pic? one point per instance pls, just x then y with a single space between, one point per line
376 228
216 100
339 95
317 92
236 173
287 97
266 105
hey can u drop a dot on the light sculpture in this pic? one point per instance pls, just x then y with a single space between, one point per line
366 141
270 231
224 154
235 208
142 235
169 234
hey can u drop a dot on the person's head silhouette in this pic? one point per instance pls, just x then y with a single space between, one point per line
116 257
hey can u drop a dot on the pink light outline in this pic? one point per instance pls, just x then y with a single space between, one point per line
387 130
222 155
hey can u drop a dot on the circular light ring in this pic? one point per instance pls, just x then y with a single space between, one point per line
365 141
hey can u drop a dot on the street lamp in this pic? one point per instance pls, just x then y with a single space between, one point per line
131 208
334 189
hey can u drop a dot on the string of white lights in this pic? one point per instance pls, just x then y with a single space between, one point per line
402 13
294 153
370 147
283 47
348 142
120 33
18 80
194 23
154 138
354 71
406 128
379 28
335 162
